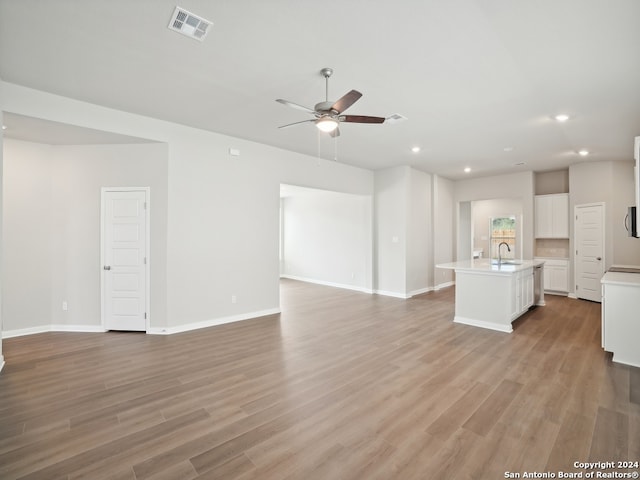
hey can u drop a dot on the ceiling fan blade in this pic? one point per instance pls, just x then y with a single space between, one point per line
335 133
361 119
295 123
346 101
295 105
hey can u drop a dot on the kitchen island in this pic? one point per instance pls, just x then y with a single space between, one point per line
492 295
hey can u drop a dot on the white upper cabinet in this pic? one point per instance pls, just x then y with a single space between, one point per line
552 215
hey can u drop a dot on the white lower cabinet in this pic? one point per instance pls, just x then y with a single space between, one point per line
523 289
525 278
556 275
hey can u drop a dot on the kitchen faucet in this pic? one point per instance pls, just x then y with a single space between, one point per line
500 254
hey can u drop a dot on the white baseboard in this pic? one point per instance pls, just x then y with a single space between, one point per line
356 288
481 323
153 330
440 286
78 328
572 295
387 293
211 323
1 362
25 331
404 296
633 362
557 293
420 291
52 328
328 284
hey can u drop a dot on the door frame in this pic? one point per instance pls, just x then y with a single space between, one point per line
603 219
147 221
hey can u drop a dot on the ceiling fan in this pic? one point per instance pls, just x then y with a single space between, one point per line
329 114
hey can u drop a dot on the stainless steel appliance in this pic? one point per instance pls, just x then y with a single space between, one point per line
537 284
630 222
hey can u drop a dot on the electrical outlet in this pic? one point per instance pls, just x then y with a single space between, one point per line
234 299
65 306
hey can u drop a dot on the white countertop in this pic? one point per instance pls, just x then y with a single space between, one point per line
485 265
620 278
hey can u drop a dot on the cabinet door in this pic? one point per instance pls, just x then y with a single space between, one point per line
560 280
556 277
528 288
543 212
552 216
524 290
515 296
560 216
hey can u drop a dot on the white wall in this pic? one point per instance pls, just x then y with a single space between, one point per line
79 173
626 250
611 183
391 202
514 186
403 232
27 245
443 230
327 238
52 228
222 211
1 222
419 237
482 211
464 231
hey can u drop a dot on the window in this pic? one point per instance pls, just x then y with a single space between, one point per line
503 229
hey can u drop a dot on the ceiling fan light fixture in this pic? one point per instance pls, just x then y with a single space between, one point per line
326 124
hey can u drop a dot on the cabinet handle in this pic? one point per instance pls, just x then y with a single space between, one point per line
598 258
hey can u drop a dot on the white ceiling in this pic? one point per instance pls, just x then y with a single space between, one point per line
473 77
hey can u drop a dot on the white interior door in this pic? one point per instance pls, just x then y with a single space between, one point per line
589 248
124 259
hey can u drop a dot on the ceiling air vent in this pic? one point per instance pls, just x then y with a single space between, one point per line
395 118
189 24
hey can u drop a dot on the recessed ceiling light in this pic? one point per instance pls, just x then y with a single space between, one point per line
508 149
415 149
467 169
4 127
583 152
562 117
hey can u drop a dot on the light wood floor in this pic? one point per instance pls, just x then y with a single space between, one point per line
342 385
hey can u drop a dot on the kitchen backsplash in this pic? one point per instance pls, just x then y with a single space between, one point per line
552 247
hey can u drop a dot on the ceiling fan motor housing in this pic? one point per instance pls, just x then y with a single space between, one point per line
324 107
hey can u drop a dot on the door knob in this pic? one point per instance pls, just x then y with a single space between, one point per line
107 267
